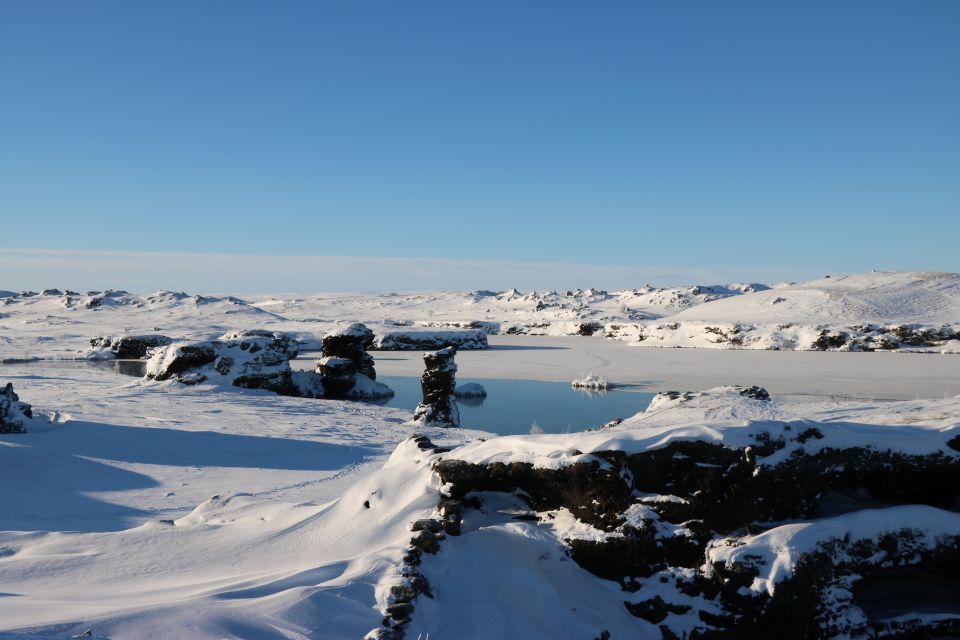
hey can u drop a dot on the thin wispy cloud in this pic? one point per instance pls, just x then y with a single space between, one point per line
200 272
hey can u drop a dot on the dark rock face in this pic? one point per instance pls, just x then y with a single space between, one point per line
130 347
346 369
704 496
439 405
13 413
338 375
588 328
351 343
898 580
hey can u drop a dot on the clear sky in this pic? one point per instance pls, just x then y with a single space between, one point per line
768 137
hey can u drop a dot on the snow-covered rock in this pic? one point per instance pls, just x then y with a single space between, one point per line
439 404
346 369
430 340
591 381
128 347
253 359
470 390
14 415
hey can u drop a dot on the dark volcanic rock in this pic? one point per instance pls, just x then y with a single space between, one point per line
13 413
439 404
346 369
351 343
677 513
338 375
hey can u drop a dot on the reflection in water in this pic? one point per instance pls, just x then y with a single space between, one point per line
471 401
137 368
515 406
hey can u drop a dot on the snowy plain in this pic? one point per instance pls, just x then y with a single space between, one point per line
141 510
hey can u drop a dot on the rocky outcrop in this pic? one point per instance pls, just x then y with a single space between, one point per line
430 340
346 369
351 343
130 347
253 359
14 415
872 337
439 404
260 359
775 528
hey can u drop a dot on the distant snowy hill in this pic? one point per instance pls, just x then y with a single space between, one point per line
872 311
882 298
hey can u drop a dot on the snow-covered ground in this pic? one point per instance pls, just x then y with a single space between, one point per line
144 509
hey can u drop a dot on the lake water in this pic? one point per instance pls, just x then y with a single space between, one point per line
511 406
515 406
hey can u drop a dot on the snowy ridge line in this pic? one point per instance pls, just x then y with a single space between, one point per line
873 311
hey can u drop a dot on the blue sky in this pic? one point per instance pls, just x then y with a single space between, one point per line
766 137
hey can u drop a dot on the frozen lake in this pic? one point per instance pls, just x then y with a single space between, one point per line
789 374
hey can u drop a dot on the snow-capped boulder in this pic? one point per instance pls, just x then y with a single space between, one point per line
439 404
351 343
470 390
346 369
417 340
128 347
253 359
14 415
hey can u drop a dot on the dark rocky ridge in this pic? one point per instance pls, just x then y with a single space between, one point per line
705 492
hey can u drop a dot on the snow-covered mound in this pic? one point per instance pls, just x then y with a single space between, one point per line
877 298
866 312
61 324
